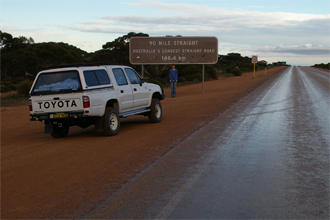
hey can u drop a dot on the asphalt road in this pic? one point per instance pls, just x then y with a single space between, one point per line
265 157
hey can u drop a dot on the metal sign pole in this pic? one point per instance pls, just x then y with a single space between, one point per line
203 79
142 70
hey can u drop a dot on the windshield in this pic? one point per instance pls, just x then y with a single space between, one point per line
57 82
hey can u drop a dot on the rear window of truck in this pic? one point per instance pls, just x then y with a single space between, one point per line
57 82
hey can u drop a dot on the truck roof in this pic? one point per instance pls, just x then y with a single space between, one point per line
82 66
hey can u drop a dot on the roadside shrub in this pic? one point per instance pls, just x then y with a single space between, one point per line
245 70
11 87
189 78
7 88
17 80
189 70
164 82
236 72
4 89
227 75
198 76
155 81
182 79
24 87
246 67
159 81
229 69
322 65
211 72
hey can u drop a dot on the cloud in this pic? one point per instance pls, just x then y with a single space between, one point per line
216 24
238 30
245 32
255 6
307 49
189 19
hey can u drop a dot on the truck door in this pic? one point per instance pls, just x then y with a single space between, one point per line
141 93
125 90
98 83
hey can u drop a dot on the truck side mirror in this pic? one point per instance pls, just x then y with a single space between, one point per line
142 81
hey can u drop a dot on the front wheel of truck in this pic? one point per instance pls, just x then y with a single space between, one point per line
155 114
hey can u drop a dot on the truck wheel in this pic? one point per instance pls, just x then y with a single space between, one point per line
60 130
155 114
112 123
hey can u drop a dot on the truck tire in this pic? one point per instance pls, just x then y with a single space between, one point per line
155 115
112 123
61 130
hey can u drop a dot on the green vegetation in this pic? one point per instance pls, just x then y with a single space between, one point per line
23 87
21 60
14 100
322 65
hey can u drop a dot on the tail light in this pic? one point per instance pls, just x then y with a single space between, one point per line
30 105
86 102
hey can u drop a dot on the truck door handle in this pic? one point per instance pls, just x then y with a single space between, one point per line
121 91
135 89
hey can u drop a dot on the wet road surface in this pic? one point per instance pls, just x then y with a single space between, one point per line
266 157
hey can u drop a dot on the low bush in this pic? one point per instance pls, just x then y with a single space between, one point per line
3 89
159 81
198 76
211 72
189 78
236 72
7 88
24 87
181 79
227 75
322 65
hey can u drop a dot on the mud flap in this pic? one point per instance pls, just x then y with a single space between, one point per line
99 124
49 128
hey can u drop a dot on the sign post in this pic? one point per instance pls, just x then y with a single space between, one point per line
142 70
203 79
254 61
173 50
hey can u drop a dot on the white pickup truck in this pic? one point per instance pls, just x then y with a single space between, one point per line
92 95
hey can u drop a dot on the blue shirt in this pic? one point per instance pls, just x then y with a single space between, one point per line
174 75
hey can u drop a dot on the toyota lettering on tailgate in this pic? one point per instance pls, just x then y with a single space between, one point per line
59 104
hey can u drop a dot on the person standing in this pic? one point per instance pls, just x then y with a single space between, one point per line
173 80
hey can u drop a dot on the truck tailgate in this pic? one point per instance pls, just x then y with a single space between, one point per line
57 103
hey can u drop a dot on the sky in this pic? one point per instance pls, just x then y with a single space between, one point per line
295 31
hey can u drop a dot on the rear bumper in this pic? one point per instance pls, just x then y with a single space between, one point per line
48 116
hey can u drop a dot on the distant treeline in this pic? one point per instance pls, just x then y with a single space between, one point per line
21 59
322 65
